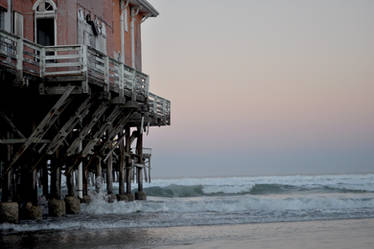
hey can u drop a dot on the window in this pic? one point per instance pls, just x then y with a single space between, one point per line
44 8
18 24
45 22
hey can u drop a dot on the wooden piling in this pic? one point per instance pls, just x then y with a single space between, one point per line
45 180
7 187
121 180
34 186
55 181
109 175
85 181
70 182
99 173
139 152
128 163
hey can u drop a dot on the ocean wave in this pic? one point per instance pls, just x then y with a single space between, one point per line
236 203
233 200
159 212
174 190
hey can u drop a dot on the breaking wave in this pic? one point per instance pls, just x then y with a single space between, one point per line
233 200
174 190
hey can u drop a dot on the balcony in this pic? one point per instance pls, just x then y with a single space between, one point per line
57 65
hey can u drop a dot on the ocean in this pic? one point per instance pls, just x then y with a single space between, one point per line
223 201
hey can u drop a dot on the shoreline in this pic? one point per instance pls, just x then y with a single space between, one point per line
4 232
341 233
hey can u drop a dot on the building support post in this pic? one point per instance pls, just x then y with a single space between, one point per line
72 203
45 180
109 173
8 209
121 191
99 178
56 206
140 195
80 175
7 188
85 182
70 182
128 165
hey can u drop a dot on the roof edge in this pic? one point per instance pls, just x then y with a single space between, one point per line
146 7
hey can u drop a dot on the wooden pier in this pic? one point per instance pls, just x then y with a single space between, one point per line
71 110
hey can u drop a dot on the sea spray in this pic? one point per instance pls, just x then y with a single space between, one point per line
234 200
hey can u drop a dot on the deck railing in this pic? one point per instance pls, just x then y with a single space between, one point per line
160 107
68 60
79 60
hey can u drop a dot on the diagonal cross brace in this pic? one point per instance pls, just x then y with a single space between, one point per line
68 127
85 131
114 132
43 126
11 124
108 122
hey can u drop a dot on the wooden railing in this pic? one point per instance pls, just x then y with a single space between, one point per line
20 54
79 60
159 107
68 60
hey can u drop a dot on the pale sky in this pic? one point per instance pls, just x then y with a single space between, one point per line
262 87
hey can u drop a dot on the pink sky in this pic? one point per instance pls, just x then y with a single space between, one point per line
254 82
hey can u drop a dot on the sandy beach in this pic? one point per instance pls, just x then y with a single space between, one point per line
333 234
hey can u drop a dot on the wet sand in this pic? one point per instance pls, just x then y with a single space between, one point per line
335 234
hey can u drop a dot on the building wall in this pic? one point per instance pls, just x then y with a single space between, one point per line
107 12
25 9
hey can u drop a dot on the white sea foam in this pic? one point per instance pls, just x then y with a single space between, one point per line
231 200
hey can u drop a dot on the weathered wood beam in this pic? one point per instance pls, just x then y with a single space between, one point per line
139 151
11 124
107 123
23 140
68 127
56 177
58 90
121 170
109 174
44 172
128 165
86 129
70 182
99 174
113 132
44 125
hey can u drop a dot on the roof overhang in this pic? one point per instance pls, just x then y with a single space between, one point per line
145 7
4 4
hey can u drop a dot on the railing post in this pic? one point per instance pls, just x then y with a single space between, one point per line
134 86
164 108
155 105
121 80
106 73
42 62
146 88
85 68
19 65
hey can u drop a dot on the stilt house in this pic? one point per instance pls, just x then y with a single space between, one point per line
74 99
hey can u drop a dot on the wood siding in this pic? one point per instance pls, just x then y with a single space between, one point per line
4 4
108 12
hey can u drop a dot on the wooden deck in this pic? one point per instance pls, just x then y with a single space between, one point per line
58 67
